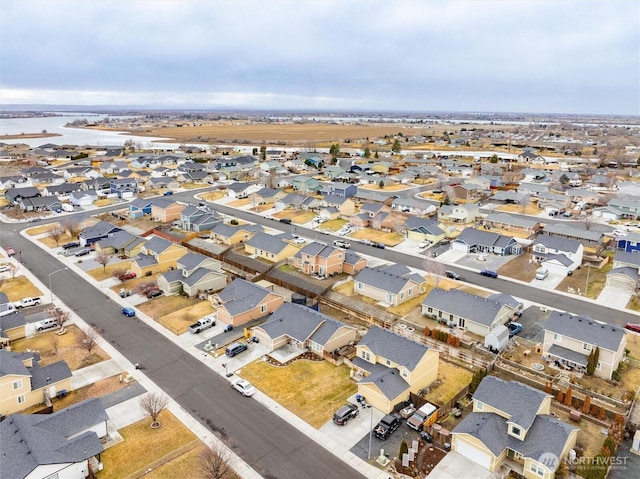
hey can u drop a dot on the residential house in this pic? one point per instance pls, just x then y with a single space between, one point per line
532 189
521 224
332 172
558 255
594 242
15 195
553 201
472 240
12 326
323 260
389 284
420 229
305 185
266 196
166 211
61 191
24 383
474 313
231 235
343 204
455 213
121 243
83 198
198 218
291 200
195 273
269 247
305 329
413 206
343 190
529 156
124 187
630 242
625 273
40 203
98 231
625 207
156 255
390 367
313 159
513 421
163 182
469 192
568 340
96 184
65 444
240 190
509 197
242 301
140 207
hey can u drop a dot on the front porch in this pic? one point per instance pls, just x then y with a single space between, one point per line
287 353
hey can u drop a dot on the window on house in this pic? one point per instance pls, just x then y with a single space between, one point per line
365 355
17 384
515 430
479 406
461 322
405 373
410 291
536 469
21 399
360 285
451 317
586 346
430 310
263 308
599 366
439 314
401 295
557 337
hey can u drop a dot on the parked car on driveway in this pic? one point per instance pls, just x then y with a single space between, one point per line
127 275
154 293
387 426
243 386
128 312
235 349
514 328
202 324
83 252
346 412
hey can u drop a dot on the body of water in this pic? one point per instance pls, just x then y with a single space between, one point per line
72 136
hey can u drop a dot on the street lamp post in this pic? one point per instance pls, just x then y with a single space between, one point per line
50 287
370 429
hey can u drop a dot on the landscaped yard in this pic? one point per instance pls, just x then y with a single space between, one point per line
144 448
68 349
298 217
184 465
19 287
95 390
451 380
312 390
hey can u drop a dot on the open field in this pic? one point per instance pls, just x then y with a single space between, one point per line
312 390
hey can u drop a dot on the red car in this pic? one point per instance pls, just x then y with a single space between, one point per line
127 275
633 327
10 251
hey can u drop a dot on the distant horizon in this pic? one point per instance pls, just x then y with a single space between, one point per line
99 108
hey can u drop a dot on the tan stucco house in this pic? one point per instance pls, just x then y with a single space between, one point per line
243 301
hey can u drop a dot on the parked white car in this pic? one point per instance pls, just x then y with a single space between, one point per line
243 386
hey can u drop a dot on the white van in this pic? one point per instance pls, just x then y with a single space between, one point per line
542 273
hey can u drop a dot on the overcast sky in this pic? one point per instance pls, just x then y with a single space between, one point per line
506 56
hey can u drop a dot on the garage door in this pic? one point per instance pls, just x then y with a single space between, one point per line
470 452
459 246
619 283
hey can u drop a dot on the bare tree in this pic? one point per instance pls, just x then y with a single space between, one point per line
130 145
103 259
61 316
13 269
56 233
118 273
144 288
153 404
88 339
55 342
588 222
215 462
72 227
434 268
524 201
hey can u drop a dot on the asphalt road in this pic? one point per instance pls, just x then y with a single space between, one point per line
270 445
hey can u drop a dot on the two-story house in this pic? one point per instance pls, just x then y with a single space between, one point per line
124 187
140 207
234 234
558 255
625 274
344 205
156 255
24 383
389 367
242 301
63 445
198 218
389 284
305 329
165 211
270 247
630 242
568 340
323 260
194 274
511 425
455 213
344 190
465 310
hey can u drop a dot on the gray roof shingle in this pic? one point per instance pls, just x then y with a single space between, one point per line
585 329
390 346
465 305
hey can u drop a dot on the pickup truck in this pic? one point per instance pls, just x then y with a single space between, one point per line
387 426
202 324
26 302
417 420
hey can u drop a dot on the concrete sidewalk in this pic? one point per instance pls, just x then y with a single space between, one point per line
91 374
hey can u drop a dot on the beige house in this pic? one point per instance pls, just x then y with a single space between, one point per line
455 213
569 339
232 235
344 206
270 247
166 211
24 383
323 260
121 243
12 327
305 329
157 255
388 367
195 273
511 422
390 284
242 301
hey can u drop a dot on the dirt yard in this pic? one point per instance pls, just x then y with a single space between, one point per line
519 268
451 380
19 287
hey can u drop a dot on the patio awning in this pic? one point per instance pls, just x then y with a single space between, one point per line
568 355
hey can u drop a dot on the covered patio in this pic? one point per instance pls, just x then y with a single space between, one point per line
567 359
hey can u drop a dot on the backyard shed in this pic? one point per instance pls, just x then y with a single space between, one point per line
497 338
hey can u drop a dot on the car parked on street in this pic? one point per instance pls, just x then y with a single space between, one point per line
633 327
489 273
128 312
10 251
453 275
346 412
167 193
379 245
366 242
243 386
342 244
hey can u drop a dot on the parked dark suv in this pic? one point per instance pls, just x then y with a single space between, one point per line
489 273
346 412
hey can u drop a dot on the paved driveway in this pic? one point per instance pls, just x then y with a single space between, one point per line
456 466
614 298
491 261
